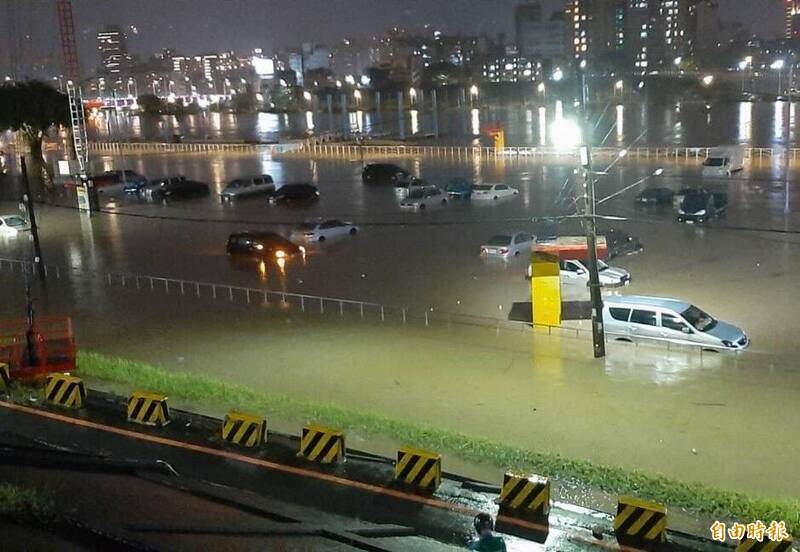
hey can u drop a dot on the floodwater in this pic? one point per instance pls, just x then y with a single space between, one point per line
688 416
680 415
687 124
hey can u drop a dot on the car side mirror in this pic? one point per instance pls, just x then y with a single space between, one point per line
686 330
581 271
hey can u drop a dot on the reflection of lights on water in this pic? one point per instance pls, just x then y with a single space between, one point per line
745 120
528 126
360 120
310 120
778 120
282 264
620 120
559 111
476 122
262 271
266 123
791 120
215 121
542 126
477 176
414 120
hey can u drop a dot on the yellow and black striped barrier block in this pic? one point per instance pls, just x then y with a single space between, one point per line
247 430
148 408
525 496
65 390
640 521
5 376
322 444
418 468
766 545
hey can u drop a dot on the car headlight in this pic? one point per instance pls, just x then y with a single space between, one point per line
701 212
258 246
280 254
728 343
680 212
302 249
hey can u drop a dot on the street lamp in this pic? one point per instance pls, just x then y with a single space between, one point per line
307 96
618 86
412 95
707 80
558 74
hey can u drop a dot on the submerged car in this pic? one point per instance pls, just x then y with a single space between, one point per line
248 186
115 177
640 318
262 245
459 188
701 205
11 225
508 245
383 173
298 192
620 243
420 198
655 196
493 191
322 230
177 189
576 272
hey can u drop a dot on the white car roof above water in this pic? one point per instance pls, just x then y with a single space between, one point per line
642 300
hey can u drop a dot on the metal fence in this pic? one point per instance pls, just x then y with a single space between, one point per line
192 147
363 310
455 152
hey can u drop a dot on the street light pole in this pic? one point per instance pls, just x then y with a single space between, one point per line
27 204
598 334
788 138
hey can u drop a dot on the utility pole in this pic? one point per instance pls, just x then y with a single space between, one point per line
590 224
787 160
27 205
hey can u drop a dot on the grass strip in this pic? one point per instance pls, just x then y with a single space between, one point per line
616 480
24 504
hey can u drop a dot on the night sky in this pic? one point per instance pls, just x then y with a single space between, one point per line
196 26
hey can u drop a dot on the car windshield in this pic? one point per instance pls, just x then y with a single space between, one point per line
697 318
601 266
308 226
714 162
482 188
416 194
14 221
500 240
694 202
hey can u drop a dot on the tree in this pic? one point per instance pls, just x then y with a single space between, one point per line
32 108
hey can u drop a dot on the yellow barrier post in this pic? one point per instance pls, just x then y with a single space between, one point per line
322 444
247 430
546 289
525 496
640 521
65 390
148 408
419 468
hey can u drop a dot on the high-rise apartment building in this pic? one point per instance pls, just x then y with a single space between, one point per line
112 48
540 36
791 18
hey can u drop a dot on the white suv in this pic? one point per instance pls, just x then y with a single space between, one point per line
640 318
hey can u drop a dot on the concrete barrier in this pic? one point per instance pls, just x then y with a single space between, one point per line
65 390
246 430
418 468
322 444
640 522
148 408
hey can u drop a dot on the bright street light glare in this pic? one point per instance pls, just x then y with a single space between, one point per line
473 90
742 65
619 84
623 152
658 172
566 134
777 64
707 80
678 60
540 88
558 74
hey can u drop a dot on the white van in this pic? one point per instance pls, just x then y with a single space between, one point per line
248 185
724 161
640 318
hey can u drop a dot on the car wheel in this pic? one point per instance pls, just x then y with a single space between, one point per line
516 253
421 206
353 231
444 201
495 197
321 238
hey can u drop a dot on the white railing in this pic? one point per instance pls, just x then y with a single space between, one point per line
192 147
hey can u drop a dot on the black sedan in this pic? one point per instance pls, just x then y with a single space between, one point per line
383 173
620 243
655 196
264 245
295 193
174 188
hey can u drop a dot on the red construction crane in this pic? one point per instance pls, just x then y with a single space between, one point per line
72 69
